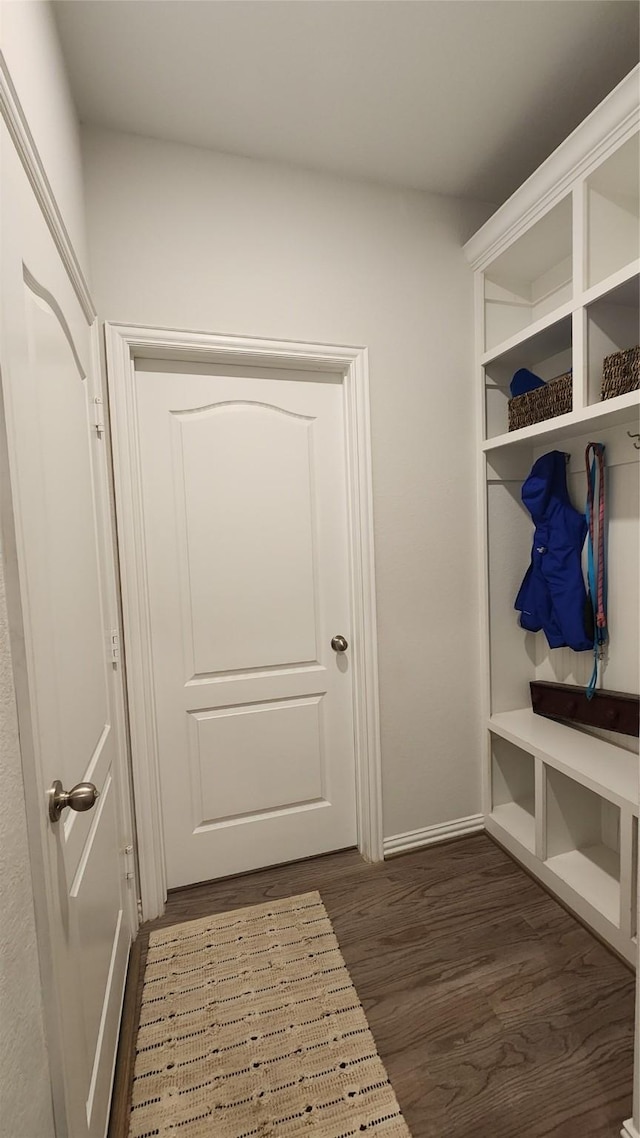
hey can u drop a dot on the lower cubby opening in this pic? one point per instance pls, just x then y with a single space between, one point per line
513 790
583 842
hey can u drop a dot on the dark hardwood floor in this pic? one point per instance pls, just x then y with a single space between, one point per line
496 1014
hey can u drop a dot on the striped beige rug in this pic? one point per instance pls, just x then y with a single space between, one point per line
251 1027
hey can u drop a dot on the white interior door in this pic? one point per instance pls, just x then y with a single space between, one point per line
61 598
244 498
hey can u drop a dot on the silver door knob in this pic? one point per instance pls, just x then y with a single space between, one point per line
339 644
81 797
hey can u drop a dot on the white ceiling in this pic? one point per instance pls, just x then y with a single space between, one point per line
460 97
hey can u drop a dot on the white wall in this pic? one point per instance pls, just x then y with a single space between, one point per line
30 45
188 238
31 51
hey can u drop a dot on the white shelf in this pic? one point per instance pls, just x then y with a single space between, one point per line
518 821
622 409
604 768
594 874
610 284
546 324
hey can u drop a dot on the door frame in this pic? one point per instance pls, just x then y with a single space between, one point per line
126 343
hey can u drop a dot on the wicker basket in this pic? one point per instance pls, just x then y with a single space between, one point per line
621 373
555 398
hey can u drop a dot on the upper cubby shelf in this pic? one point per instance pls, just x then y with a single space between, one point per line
611 283
612 324
623 409
517 345
613 213
532 278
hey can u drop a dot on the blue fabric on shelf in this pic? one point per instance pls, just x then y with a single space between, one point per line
523 381
552 596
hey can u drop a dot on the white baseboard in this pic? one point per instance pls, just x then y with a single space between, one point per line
429 835
629 1130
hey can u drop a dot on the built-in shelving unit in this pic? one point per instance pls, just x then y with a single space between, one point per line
557 290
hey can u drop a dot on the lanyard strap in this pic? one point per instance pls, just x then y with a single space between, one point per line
597 568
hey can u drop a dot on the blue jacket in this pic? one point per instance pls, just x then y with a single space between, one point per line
552 596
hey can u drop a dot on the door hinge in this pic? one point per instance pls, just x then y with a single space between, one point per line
128 860
114 646
99 417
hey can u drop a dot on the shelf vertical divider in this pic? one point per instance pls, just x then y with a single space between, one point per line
482 540
627 885
540 809
579 322
579 359
487 775
580 239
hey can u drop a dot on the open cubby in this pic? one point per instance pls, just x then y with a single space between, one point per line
513 790
621 666
516 656
621 670
532 278
583 842
613 213
547 354
613 324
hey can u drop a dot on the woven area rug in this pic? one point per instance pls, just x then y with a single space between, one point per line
251 1027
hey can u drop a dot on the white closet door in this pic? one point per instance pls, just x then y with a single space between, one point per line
59 573
246 538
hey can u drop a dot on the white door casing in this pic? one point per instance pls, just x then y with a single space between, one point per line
61 599
257 683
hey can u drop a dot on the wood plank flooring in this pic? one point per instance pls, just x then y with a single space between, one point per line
496 1014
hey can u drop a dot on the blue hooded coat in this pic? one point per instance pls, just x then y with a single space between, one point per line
552 596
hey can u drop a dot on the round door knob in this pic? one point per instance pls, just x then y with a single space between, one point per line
81 797
339 644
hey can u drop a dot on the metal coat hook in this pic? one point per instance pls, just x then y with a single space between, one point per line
636 437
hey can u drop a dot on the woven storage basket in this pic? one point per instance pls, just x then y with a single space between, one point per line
621 373
555 398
